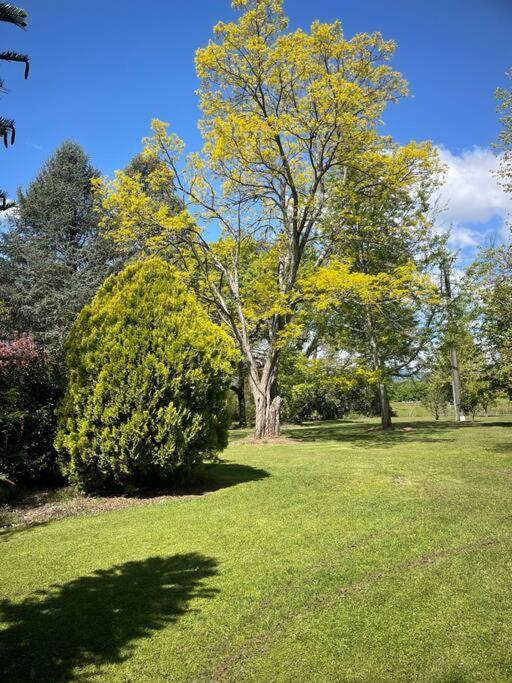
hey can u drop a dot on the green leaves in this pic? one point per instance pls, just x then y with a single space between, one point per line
10 56
13 15
7 131
148 375
53 259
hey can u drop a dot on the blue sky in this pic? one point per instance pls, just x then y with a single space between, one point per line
102 70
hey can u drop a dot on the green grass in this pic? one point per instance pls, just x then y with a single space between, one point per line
348 555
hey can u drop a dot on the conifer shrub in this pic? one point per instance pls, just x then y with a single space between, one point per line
147 380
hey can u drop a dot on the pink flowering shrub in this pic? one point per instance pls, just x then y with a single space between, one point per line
18 352
29 392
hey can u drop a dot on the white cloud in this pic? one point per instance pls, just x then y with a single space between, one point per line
5 216
464 237
471 195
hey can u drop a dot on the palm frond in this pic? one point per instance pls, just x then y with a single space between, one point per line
13 15
6 127
9 56
4 203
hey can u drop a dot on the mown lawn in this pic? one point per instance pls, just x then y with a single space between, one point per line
343 555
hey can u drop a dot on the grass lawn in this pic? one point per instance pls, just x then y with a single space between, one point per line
343 555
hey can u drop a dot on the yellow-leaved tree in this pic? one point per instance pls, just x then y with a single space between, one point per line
285 115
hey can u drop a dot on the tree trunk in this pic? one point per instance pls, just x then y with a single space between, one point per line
385 408
268 407
239 389
454 361
242 412
454 366
268 424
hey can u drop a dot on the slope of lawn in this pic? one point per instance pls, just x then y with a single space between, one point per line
339 554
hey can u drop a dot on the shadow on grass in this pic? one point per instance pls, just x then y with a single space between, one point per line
96 619
366 435
496 423
221 475
502 448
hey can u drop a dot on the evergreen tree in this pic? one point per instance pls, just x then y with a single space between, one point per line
490 286
53 258
148 375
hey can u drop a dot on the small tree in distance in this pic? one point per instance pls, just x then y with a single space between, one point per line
148 375
436 395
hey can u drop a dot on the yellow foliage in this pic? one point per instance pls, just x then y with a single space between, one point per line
290 119
337 283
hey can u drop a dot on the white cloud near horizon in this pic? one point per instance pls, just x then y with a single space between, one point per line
471 195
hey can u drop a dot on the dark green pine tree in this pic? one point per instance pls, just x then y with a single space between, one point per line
52 257
12 15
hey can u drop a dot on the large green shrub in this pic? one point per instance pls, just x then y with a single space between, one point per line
148 374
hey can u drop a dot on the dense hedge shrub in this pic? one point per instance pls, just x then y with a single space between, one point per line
148 375
29 392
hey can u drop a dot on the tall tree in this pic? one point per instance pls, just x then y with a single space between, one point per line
52 257
454 321
283 114
490 280
13 15
387 318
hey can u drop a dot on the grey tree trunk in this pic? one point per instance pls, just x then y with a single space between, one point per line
385 408
454 365
268 407
454 361
378 366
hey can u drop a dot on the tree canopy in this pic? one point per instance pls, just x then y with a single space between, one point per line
285 116
52 257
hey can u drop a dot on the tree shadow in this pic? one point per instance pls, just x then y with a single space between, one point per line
95 620
502 448
507 424
210 477
224 474
7 532
361 434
